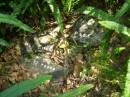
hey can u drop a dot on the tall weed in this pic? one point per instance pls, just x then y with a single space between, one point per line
5 18
127 84
24 86
76 92
55 10
112 23
68 5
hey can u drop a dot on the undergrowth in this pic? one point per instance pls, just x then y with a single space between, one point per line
12 14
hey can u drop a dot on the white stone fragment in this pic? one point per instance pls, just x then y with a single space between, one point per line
50 68
83 28
45 66
53 69
90 22
68 26
45 39
55 32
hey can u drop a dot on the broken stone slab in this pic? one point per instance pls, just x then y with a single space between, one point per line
37 47
46 39
87 31
34 44
42 64
37 42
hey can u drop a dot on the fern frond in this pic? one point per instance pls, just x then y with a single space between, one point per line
4 18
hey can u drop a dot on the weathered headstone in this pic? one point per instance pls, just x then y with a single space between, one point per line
87 31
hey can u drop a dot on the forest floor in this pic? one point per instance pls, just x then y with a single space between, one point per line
108 79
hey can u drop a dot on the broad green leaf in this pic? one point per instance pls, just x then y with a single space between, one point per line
3 42
125 7
118 50
102 15
24 86
78 91
55 10
127 84
116 26
4 18
69 5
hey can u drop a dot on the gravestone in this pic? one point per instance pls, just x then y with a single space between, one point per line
86 30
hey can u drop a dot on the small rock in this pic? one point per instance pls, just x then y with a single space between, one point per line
68 26
45 39
48 47
55 32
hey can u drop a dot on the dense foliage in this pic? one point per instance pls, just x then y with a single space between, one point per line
17 16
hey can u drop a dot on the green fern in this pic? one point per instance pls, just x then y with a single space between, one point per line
116 26
99 14
4 18
124 9
24 86
76 92
69 5
127 84
55 10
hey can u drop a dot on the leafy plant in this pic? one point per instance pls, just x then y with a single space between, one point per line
123 10
107 20
24 86
127 84
116 26
76 92
55 10
99 14
112 23
124 30
4 18
69 5
27 85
